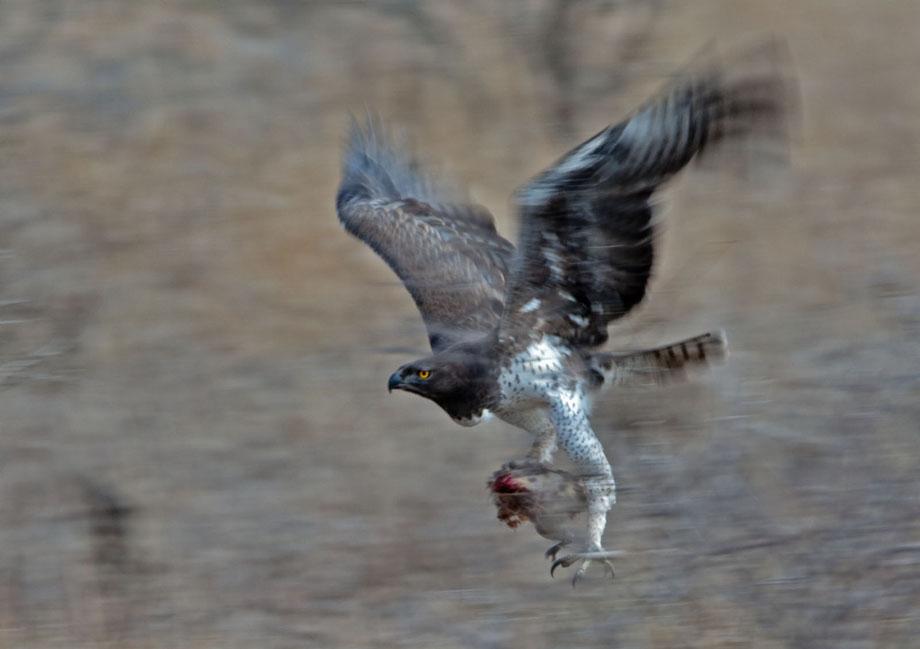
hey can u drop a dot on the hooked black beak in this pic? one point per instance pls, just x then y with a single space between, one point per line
395 381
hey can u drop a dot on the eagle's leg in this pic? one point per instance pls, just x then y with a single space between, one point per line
600 498
544 447
539 424
580 443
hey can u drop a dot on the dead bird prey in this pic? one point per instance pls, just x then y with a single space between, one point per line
514 332
548 498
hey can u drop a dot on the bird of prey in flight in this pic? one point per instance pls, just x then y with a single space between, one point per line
515 331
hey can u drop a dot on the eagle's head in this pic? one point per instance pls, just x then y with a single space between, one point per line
459 381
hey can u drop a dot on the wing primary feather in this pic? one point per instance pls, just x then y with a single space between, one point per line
587 227
446 253
377 166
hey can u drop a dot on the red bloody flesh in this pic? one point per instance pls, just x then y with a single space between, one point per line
512 499
505 484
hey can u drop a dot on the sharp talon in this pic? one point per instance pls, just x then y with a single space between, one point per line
552 568
608 567
553 551
586 558
565 562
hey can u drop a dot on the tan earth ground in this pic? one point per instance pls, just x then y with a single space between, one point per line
197 448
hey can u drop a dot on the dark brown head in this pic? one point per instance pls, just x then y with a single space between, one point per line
459 381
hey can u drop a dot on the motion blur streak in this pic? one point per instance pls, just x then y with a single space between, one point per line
197 447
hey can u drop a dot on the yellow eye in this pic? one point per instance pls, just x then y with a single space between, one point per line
424 374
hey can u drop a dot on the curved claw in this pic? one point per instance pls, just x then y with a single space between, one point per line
565 562
608 567
586 558
553 551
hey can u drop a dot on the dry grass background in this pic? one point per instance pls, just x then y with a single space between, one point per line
196 445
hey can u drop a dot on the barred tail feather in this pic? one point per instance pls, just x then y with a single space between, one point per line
661 365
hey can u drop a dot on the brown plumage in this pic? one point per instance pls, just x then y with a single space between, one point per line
587 238
446 252
515 332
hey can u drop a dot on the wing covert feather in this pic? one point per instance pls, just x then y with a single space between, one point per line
447 254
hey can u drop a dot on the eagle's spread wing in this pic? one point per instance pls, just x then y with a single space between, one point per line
447 253
587 240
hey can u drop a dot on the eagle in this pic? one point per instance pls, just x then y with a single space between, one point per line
515 331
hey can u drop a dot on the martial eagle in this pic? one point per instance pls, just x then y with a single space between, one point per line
515 331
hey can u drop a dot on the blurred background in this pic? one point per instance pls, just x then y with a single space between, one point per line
197 448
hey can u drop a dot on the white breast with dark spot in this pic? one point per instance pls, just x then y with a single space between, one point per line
534 373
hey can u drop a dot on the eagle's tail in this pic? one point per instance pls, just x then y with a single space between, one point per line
663 364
